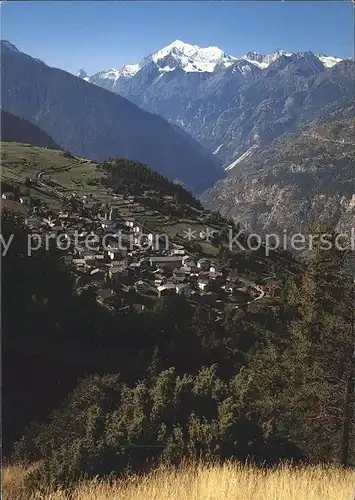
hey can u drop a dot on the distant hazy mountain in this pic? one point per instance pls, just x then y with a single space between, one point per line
295 180
97 124
231 103
82 74
16 129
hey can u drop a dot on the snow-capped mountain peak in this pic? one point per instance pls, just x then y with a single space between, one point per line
176 47
111 75
129 69
264 60
328 61
182 56
82 74
190 58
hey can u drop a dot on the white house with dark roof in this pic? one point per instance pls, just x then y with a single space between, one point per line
202 284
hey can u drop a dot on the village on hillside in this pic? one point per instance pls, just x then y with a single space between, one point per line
125 263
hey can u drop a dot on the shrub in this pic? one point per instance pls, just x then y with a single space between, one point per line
67 154
107 428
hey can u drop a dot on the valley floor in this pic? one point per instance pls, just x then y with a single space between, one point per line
231 481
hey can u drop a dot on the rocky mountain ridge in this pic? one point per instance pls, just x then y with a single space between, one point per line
294 181
228 103
192 58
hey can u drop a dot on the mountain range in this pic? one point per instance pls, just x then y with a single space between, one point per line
229 103
258 114
191 59
98 124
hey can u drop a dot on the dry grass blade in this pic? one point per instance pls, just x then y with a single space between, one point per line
231 481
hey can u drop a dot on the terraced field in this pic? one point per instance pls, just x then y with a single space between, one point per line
20 162
80 176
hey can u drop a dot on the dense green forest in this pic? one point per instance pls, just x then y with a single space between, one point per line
92 391
17 129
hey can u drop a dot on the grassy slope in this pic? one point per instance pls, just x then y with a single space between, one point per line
24 160
231 481
20 161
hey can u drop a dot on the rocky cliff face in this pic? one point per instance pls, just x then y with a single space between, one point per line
295 180
242 105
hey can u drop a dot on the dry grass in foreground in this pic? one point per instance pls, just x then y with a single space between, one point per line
231 482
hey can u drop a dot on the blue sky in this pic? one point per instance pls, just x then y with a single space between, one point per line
99 35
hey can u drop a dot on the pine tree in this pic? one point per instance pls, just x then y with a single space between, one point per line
304 382
325 328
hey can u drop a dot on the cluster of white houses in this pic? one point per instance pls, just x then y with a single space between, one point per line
122 263
127 260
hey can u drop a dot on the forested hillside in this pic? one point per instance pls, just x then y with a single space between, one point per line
123 389
133 178
16 129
